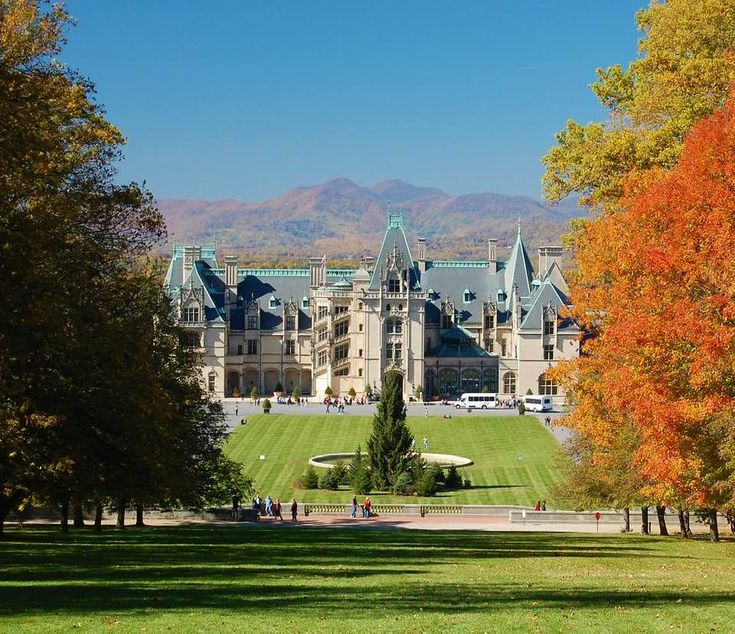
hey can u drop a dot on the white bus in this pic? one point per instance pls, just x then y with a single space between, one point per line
536 403
475 401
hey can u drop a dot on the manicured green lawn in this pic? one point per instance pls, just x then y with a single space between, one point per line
264 578
514 456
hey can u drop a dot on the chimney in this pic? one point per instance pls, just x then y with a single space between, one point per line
317 271
191 255
547 256
231 270
492 254
421 254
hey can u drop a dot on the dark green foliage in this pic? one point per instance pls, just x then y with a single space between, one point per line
329 391
426 484
521 408
279 387
453 479
329 480
309 479
438 473
342 473
404 484
529 392
296 394
254 394
360 478
467 483
368 390
352 392
486 388
266 406
389 445
223 480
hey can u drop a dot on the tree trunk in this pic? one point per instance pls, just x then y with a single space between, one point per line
683 524
139 515
98 517
78 515
686 521
714 532
661 513
120 513
626 519
644 520
65 516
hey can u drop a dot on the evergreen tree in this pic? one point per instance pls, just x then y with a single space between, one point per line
360 478
389 445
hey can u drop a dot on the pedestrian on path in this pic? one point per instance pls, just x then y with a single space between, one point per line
277 510
426 444
236 409
294 510
366 506
353 513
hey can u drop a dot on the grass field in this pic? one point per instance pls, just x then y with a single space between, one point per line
513 455
265 578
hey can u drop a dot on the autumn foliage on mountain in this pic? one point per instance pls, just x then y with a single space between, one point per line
655 286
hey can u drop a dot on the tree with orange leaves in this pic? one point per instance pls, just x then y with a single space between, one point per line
656 285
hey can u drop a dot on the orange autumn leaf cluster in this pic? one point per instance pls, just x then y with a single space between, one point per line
656 287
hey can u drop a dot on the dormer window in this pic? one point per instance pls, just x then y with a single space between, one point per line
467 296
501 295
549 323
272 302
190 314
304 303
394 285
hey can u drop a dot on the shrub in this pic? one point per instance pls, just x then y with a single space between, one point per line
426 484
368 390
467 484
486 388
266 406
329 480
329 391
453 479
529 392
296 394
309 479
352 392
360 478
404 484
438 473
521 408
342 472
279 387
254 393
418 392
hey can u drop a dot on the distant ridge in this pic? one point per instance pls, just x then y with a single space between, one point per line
344 220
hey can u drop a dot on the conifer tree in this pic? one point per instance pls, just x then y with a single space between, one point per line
389 445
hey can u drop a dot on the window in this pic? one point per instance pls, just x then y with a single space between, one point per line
397 351
340 310
290 322
359 305
549 324
342 371
446 321
321 335
467 296
323 310
509 383
272 302
341 352
191 339
290 347
211 382
502 349
359 352
394 285
252 346
489 344
360 327
393 351
252 322
304 302
190 313
549 351
359 372
489 321
400 306
394 326
321 359
239 348
387 308
547 386
342 328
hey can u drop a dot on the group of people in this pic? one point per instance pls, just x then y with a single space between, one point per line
338 403
540 505
367 506
273 509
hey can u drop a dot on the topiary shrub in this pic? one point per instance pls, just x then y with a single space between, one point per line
254 394
329 391
279 388
309 479
266 406
521 408
529 392
296 394
329 480
352 392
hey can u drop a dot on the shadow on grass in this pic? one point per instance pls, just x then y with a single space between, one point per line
237 569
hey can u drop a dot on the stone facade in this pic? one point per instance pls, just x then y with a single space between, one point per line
447 326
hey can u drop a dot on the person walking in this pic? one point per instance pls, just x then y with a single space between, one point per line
277 509
426 444
366 506
268 505
353 513
237 410
294 510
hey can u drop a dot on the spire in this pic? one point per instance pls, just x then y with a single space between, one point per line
518 270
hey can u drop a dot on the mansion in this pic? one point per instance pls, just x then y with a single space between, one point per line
447 327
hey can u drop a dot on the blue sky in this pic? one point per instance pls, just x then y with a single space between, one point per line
245 99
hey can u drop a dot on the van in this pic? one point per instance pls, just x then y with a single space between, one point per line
476 401
537 403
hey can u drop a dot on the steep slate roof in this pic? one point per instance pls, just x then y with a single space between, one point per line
458 343
203 276
518 269
546 293
394 240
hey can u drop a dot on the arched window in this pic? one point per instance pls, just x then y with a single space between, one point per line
509 383
547 385
490 379
448 382
470 380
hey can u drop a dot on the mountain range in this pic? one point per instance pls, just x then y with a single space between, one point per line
345 220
